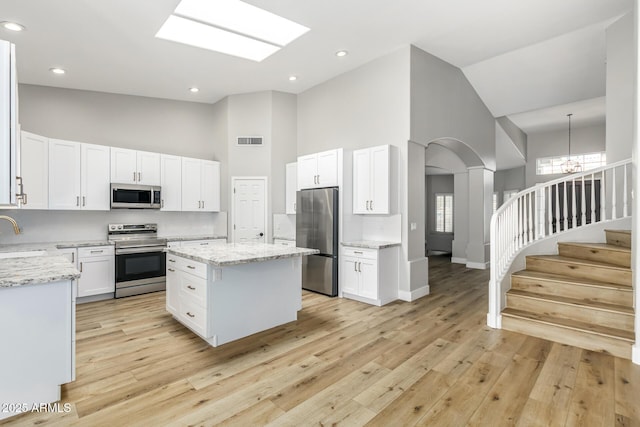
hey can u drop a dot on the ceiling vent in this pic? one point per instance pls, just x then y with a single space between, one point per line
247 141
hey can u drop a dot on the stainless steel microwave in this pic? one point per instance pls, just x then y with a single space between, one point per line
129 196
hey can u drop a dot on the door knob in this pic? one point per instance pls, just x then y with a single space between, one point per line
261 234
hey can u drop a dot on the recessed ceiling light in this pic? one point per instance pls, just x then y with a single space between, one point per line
56 70
341 53
194 90
193 33
12 26
242 18
293 78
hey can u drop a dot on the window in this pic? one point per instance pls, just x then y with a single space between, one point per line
444 213
553 165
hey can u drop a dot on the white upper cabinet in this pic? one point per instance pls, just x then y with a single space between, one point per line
291 185
134 167
200 185
318 170
34 165
78 176
371 180
9 136
171 182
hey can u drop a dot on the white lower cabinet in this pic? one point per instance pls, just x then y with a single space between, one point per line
370 275
97 269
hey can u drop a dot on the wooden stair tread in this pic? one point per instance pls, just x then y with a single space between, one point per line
600 246
618 231
550 277
584 262
619 334
573 301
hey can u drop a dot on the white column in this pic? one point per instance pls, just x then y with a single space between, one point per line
460 218
480 207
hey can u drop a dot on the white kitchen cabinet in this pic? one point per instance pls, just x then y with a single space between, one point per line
171 182
135 167
9 134
370 275
173 283
284 242
200 185
318 170
371 180
97 269
291 185
34 169
69 253
78 176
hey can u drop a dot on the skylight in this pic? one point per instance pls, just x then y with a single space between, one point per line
231 27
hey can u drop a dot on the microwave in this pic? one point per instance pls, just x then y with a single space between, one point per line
128 196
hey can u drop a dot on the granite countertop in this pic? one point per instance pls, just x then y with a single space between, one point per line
83 244
239 253
51 246
193 237
35 270
293 239
371 244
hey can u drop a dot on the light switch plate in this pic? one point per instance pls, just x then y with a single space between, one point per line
414 226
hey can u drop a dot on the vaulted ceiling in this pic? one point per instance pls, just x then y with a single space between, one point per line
521 56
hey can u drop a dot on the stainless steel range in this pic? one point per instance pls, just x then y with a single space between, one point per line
140 258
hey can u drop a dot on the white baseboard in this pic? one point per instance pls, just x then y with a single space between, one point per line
456 260
635 354
413 295
478 265
494 322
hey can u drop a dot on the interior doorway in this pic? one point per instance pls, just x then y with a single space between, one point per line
249 209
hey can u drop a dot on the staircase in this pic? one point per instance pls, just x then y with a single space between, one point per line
582 296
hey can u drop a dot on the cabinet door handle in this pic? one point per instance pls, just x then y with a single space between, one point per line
359 267
134 176
172 260
355 266
171 270
204 244
97 251
371 204
203 204
162 203
73 257
80 267
357 252
191 267
84 201
294 206
190 315
77 200
139 176
191 287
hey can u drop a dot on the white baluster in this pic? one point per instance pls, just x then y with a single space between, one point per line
625 209
593 198
583 205
564 205
550 211
614 210
557 208
574 214
531 237
603 197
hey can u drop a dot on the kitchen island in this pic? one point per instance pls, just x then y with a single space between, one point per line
229 291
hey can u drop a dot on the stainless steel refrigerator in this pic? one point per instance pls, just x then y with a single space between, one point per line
317 228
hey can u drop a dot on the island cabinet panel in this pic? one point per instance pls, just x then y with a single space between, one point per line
173 286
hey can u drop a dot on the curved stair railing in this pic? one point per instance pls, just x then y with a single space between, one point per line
550 208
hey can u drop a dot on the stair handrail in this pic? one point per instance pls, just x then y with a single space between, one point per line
543 210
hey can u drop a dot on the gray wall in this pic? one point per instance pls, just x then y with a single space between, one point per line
508 179
437 241
284 149
586 139
621 72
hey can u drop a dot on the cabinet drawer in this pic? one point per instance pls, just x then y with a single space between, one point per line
360 252
194 316
193 288
95 251
192 267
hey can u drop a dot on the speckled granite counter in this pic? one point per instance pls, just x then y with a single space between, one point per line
240 253
33 270
370 244
192 237
51 246
83 244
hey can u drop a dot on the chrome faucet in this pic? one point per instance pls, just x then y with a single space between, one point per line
13 222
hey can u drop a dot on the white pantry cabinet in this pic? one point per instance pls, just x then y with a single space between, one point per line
78 176
371 180
9 135
34 167
318 170
370 275
200 185
171 182
291 185
135 167
97 269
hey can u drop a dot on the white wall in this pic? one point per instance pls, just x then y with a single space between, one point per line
283 141
620 79
586 139
437 241
508 179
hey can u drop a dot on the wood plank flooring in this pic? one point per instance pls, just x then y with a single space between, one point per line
431 362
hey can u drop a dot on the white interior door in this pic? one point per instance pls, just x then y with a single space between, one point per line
249 223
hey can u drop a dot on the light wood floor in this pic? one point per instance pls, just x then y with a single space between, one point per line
432 362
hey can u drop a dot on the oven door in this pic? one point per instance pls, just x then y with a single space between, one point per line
136 266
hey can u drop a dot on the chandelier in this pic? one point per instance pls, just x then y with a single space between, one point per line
570 166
